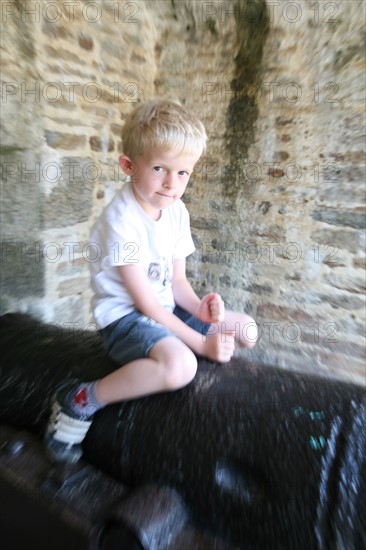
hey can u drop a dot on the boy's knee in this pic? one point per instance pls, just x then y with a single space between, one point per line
180 371
250 333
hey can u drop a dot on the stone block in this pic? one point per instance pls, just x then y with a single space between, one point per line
344 239
63 55
100 145
70 202
22 269
275 312
349 192
86 42
72 267
353 283
73 286
55 31
275 172
354 217
283 121
343 300
359 262
200 222
116 129
337 344
21 194
59 140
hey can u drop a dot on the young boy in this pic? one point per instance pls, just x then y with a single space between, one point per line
151 320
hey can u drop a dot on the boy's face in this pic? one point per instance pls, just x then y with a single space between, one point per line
159 178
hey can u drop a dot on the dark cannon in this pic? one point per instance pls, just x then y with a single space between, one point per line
245 457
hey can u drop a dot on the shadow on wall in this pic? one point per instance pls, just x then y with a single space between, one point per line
243 109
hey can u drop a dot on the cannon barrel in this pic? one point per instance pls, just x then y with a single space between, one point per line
257 456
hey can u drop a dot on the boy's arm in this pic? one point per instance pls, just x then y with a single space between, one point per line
139 288
209 309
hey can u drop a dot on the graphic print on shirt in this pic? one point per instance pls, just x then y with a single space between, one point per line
157 268
154 271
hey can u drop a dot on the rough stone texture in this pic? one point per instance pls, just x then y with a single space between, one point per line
277 202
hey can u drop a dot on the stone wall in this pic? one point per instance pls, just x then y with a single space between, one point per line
277 201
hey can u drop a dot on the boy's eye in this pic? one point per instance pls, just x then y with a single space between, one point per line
158 168
183 173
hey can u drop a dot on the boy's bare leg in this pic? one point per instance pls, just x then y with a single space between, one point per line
171 365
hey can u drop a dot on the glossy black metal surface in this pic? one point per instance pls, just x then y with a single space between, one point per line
253 457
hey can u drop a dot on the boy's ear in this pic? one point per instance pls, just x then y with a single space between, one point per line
127 165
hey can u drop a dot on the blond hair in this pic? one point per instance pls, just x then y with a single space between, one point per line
162 124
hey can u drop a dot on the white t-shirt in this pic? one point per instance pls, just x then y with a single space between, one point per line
124 234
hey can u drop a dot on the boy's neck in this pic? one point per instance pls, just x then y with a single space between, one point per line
153 214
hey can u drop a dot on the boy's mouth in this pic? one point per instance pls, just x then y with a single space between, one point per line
164 195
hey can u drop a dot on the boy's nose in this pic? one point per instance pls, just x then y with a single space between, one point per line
169 180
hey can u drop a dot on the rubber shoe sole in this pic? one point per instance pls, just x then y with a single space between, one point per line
65 433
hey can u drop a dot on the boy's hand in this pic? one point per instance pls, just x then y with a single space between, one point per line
219 347
211 308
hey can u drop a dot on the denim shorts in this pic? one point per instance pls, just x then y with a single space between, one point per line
134 335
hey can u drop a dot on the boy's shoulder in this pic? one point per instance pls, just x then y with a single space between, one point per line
119 213
120 205
178 210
